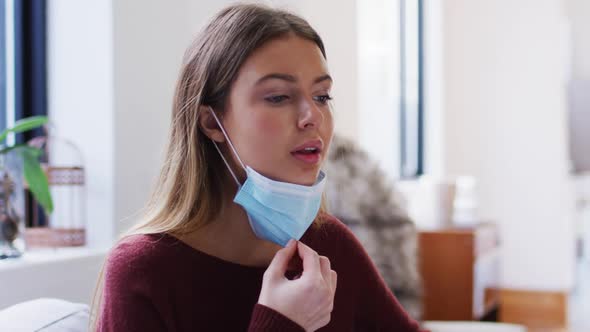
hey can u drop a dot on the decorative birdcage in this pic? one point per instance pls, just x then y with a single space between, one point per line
63 164
12 243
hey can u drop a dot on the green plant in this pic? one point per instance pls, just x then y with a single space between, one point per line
34 175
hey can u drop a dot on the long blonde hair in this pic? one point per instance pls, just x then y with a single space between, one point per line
189 191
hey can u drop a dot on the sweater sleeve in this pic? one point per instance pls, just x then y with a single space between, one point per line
127 304
265 319
377 307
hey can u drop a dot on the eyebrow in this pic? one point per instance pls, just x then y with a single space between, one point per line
290 78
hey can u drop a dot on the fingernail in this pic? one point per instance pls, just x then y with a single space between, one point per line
290 242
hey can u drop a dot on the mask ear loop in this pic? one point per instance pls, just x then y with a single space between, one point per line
230 145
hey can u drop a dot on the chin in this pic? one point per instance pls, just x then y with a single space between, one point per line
308 179
305 176
305 183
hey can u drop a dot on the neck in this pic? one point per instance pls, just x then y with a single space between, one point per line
232 227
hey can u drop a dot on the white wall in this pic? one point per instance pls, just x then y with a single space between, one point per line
505 65
81 99
434 88
579 115
149 41
378 84
579 12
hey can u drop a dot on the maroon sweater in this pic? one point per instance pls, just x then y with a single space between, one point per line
158 283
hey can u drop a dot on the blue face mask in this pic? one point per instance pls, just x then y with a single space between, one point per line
277 211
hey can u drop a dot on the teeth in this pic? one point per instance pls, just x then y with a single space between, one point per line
310 149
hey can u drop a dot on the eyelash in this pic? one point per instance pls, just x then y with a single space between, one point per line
273 99
325 99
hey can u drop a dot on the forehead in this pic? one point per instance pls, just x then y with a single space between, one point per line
290 54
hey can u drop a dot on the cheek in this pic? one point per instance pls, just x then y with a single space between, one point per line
263 142
268 127
328 124
327 131
257 130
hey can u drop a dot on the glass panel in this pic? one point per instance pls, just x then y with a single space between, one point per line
3 64
379 84
411 89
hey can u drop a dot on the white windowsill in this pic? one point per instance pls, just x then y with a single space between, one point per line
35 257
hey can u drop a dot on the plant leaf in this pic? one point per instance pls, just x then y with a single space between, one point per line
24 125
35 150
36 178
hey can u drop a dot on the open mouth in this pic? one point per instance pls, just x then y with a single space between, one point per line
310 155
308 151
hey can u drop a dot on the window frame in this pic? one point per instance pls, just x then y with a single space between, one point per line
411 155
24 68
3 64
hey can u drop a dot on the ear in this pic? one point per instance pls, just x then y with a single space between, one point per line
208 124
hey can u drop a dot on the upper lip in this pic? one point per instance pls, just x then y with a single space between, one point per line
316 143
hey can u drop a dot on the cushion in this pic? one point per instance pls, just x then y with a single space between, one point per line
45 315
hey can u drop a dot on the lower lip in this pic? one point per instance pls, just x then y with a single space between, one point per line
310 158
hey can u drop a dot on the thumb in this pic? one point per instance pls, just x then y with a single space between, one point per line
278 265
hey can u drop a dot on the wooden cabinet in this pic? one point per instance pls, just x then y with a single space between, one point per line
460 270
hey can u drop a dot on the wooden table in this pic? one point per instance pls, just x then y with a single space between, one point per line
460 270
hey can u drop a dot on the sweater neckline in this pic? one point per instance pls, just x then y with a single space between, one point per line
211 258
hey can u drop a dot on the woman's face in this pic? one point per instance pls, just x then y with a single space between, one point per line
278 114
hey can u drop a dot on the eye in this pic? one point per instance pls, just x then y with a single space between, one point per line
276 99
323 98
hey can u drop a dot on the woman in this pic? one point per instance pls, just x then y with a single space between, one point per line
235 237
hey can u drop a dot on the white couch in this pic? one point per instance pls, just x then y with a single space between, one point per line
55 315
45 315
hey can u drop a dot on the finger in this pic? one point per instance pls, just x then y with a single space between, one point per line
279 263
311 260
325 268
334 278
321 322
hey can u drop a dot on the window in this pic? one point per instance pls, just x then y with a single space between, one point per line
390 84
411 89
4 56
23 90
30 62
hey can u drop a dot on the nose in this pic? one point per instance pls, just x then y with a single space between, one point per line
310 115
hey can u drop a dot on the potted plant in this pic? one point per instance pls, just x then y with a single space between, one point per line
19 161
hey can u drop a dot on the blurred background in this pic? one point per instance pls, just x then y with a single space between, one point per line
477 113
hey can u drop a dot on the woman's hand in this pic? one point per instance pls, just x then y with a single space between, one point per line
308 300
